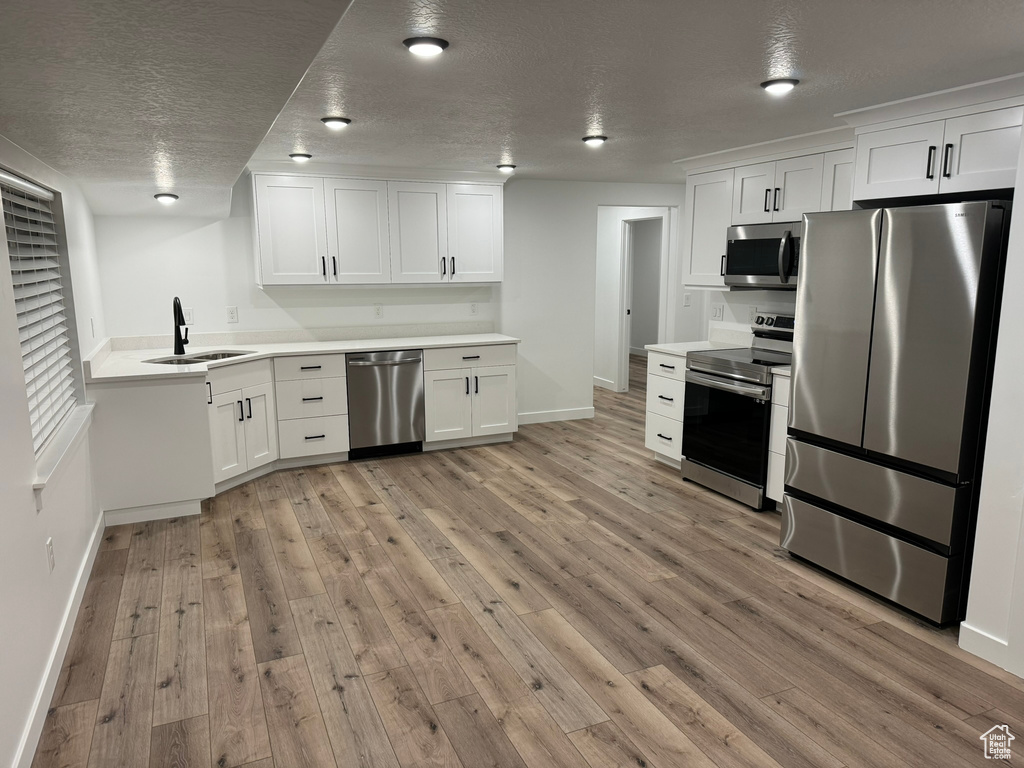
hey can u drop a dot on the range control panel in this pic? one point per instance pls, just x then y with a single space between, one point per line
781 322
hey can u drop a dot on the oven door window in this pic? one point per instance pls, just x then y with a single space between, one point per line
727 432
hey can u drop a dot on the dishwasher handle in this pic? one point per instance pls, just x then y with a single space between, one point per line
386 362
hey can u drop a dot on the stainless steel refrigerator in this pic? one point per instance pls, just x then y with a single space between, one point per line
892 358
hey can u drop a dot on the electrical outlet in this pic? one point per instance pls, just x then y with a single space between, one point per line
49 554
717 311
686 299
378 311
751 314
474 309
188 315
232 315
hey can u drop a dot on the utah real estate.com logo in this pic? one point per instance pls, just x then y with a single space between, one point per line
997 742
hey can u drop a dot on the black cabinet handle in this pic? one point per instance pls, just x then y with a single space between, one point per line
947 155
241 411
323 263
670 367
334 262
315 437
209 386
670 399
775 199
723 255
930 172
453 266
476 385
471 357
311 399
767 197
310 367
664 437
467 385
248 404
444 266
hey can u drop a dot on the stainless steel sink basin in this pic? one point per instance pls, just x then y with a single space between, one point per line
202 357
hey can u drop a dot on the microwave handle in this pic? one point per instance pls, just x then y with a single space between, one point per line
784 267
723 265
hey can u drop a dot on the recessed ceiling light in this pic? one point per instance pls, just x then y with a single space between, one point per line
425 46
165 197
335 123
507 168
595 140
300 157
779 86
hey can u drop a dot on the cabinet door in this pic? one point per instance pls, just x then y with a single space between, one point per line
260 425
358 244
448 404
980 151
291 230
227 435
752 194
707 213
418 220
494 400
797 187
474 233
898 162
837 181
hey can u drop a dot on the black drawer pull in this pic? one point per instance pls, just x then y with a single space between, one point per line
315 437
311 399
471 357
310 367
663 437
670 399
670 367
210 387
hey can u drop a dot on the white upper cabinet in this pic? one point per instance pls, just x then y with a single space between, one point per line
358 242
752 194
291 231
837 181
962 154
980 151
417 215
797 187
779 191
474 233
707 213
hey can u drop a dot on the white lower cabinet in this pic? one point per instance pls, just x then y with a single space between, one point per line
314 436
776 475
470 402
666 394
777 438
243 430
664 436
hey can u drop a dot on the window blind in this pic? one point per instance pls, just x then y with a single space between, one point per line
46 351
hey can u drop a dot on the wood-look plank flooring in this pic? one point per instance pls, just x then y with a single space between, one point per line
560 601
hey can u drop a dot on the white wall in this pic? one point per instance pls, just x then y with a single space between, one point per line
35 603
146 261
994 628
646 252
548 295
737 305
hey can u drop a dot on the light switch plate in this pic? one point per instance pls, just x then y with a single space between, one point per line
717 311
752 314
686 299
188 315
232 314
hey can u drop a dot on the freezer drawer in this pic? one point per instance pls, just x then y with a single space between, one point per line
919 580
932 510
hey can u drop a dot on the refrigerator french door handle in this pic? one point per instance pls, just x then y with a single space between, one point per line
784 265
930 165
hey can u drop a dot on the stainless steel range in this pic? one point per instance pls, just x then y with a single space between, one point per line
728 411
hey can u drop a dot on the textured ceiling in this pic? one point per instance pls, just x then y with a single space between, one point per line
524 80
132 96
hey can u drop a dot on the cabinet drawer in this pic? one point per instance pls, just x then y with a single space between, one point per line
664 435
447 358
665 397
671 366
228 378
312 437
780 390
309 367
776 476
777 439
301 399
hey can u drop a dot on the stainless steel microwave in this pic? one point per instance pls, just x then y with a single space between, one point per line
763 256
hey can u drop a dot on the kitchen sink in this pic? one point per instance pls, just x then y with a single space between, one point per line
202 357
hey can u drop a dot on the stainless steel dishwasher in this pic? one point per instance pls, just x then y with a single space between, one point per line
385 402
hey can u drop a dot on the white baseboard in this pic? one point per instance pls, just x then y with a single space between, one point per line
33 730
988 647
154 512
604 383
566 414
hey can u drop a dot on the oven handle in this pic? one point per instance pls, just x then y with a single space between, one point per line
747 390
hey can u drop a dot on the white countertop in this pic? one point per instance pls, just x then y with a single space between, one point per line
129 365
782 370
681 348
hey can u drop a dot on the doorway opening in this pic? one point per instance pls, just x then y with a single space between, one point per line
632 301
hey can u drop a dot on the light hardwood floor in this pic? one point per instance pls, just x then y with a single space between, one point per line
561 600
